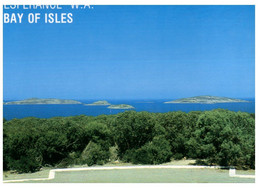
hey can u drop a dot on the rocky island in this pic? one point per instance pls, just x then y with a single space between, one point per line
99 103
121 106
207 100
42 101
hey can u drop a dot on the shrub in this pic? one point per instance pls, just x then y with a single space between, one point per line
26 163
113 153
156 152
94 154
72 159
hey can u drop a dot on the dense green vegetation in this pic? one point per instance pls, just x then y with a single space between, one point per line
217 137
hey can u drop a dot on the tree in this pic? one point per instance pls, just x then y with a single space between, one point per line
156 152
94 154
132 130
176 128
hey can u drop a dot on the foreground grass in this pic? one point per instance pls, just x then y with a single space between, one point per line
13 176
137 175
45 171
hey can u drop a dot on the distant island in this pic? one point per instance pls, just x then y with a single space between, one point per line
99 103
42 101
145 102
121 106
207 100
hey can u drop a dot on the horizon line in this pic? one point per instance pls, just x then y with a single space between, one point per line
251 97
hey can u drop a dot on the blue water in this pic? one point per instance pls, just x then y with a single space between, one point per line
47 111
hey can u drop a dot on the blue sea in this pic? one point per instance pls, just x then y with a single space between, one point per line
48 111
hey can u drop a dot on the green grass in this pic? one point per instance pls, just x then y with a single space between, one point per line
147 176
44 173
7 175
137 175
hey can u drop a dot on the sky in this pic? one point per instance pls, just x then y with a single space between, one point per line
132 52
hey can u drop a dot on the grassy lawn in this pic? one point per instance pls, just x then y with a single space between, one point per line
137 175
44 173
147 176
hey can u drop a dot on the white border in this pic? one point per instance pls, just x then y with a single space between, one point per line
146 2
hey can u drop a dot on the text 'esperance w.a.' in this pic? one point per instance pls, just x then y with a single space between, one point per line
19 13
40 7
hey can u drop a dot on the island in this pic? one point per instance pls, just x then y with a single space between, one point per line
42 101
207 100
121 106
99 103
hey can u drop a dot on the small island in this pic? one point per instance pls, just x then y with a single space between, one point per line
121 106
42 101
99 103
206 100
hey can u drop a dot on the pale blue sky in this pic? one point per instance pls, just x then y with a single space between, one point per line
133 52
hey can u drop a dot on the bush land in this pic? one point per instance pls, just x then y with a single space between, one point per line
217 137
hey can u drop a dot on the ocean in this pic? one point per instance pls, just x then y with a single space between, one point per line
48 111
